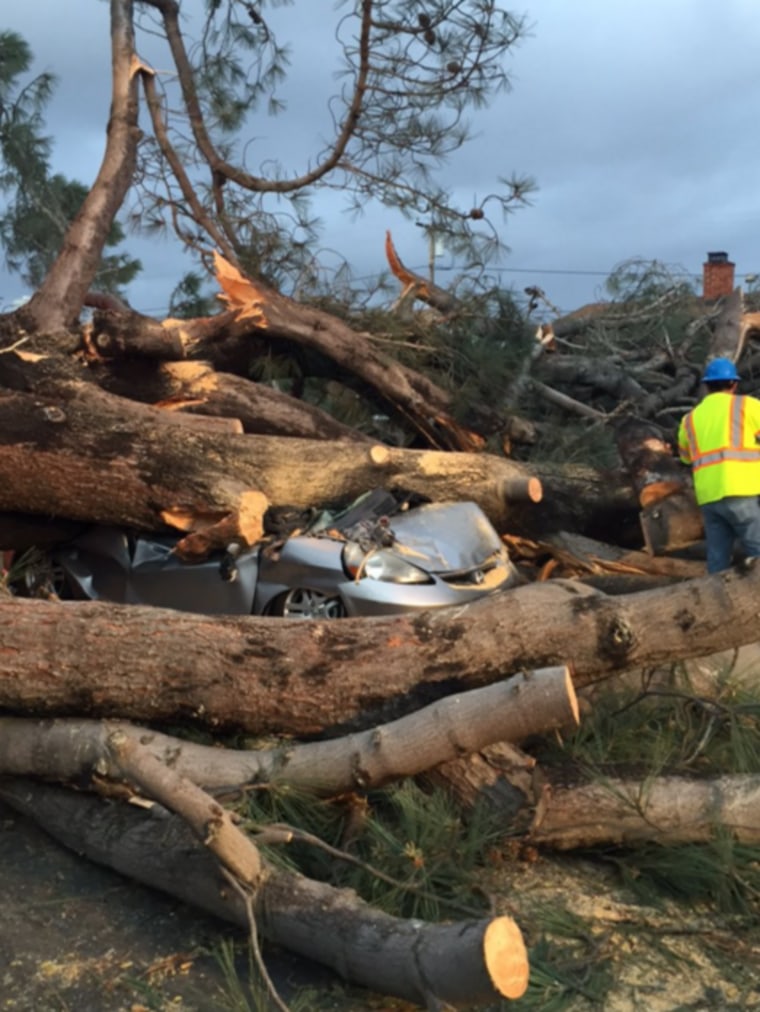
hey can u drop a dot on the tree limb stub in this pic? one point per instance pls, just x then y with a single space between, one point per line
210 822
460 963
422 288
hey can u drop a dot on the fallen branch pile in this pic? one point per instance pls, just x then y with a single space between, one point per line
143 425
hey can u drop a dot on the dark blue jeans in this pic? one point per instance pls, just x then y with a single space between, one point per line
735 518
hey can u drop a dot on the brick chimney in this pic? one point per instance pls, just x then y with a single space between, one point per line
717 276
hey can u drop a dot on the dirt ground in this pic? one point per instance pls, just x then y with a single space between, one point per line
613 953
76 937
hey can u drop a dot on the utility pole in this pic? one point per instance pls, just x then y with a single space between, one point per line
431 248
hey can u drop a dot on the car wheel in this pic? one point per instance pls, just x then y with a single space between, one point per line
302 603
40 576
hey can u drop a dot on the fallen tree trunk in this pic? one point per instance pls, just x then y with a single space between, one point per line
257 313
666 810
85 455
513 710
605 375
305 678
457 963
196 388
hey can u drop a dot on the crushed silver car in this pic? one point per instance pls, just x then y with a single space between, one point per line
374 558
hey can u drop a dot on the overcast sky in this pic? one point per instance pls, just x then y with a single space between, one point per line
637 120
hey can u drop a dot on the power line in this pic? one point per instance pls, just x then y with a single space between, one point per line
559 271
551 270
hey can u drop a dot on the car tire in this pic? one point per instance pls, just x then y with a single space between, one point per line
311 604
43 578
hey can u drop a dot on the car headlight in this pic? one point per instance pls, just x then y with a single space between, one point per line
380 564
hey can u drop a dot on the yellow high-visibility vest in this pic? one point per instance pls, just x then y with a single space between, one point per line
719 438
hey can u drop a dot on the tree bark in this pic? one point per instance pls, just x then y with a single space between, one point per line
649 461
592 556
459 964
670 518
512 710
672 523
308 677
729 334
84 454
593 373
500 775
665 810
196 388
59 299
79 453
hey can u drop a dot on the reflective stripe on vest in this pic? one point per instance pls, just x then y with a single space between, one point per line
734 451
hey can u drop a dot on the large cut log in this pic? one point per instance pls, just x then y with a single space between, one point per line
463 963
512 710
670 518
85 455
671 524
649 461
305 677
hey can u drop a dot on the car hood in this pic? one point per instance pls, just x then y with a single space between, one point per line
445 537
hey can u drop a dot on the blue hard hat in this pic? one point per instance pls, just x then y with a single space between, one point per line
720 369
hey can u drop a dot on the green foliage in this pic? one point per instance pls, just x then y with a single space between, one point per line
426 847
564 442
41 206
33 230
24 151
666 728
723 872
478 352
638 280
425 841
244 990
661 729
189 299
560 973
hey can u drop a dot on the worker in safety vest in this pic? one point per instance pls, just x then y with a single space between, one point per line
719 438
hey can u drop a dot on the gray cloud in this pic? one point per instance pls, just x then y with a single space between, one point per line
636 120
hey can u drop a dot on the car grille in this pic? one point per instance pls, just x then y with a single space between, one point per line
490 574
